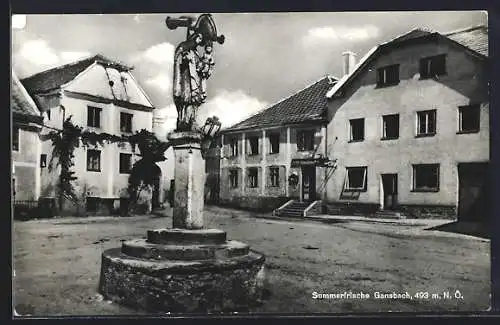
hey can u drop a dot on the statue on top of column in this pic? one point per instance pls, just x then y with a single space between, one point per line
191 68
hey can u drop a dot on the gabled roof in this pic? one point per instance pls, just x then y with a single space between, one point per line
306 105
56 77
474 39
21 103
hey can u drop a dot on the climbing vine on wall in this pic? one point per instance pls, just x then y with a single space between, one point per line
71 136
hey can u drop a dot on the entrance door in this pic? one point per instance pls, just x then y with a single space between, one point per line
308 183
390 189
473 200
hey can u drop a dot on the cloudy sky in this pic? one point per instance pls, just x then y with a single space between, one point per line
266 56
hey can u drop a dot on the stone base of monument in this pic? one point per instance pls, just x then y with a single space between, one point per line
183 270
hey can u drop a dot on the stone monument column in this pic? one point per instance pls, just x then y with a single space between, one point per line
189 175
186 268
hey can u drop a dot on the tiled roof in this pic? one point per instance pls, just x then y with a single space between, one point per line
307 105
20 101
474 38
56 77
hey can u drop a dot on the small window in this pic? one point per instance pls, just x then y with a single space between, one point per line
305 140
15 138
274 175
469 118
426 178
94 116
254 146
125 163
426 123
355 179
126 122
274 143
388 75
233 178
43 160
433 66
357 129
94 160
48 114
253 177
390 126
14 187
233 144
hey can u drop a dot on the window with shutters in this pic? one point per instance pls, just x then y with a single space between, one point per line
274 176
388 76
426 123
233 178
94 116
253 177
433 66
355 179
426 178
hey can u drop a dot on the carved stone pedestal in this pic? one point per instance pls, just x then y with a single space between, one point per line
187 268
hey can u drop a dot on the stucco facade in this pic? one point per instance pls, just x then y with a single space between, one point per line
464 83
266 195
108 88
26 163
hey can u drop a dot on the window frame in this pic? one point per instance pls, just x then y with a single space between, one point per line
477 108
427 133
275 136
382 71
303 144
427 64
250 184
256 139
233 147
120 167
425 189
92 168
91 122
364 187
274 175
128 117
43 160
233 178
16 134
384 128
351 138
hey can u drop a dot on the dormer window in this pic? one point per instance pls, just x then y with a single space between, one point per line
388 75
433 66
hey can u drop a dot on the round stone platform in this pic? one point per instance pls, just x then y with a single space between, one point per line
180 270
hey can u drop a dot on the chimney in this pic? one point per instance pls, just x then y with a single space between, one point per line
348 62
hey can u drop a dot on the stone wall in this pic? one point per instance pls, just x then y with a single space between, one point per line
255 203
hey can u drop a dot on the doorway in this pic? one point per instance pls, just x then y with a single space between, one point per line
473 194
390 191
308 183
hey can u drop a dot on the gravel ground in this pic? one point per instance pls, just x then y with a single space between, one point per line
57 264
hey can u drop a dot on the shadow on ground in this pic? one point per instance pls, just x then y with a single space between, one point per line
476 229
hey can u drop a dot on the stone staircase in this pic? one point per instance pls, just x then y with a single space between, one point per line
297 209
